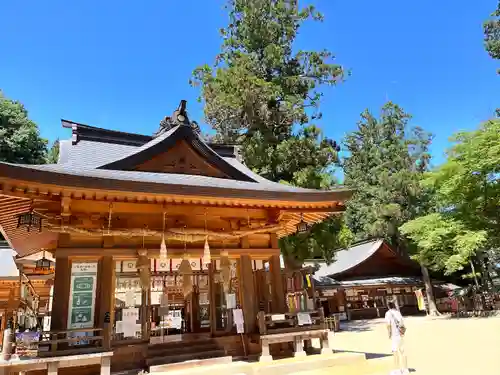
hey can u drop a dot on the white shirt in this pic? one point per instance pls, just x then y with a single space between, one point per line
391 317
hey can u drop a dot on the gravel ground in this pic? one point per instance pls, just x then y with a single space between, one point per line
439 346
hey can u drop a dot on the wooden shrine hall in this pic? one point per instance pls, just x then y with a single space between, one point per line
156 239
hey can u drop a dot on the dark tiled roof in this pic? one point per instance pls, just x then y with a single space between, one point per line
346 259
97 158
325 282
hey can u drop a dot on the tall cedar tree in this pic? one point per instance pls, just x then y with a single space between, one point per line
53 153
492 37
262 95
386 161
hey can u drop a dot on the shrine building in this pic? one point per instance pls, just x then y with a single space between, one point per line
157 240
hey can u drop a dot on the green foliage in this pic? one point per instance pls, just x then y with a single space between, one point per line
443 243
492 38
20 140
325 237
53 153
386 161
492 34
264 96
466 192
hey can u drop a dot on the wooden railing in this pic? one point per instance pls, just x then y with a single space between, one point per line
72 341
332 323
271 323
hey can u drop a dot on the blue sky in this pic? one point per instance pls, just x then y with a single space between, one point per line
125 65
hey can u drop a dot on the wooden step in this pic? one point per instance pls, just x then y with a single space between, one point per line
171 350
190 364
190 356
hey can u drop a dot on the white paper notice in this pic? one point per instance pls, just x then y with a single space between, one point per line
240 328
119 326
231 300
303 319
155 298
238 316
174 319
277 317
129 298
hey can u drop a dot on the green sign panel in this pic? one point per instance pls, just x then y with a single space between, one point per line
82 295
81 316
82 299
83 284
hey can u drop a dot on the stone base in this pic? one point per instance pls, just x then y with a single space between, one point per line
266 358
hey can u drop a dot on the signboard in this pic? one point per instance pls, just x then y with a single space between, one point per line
304 319
278 317
129 326
82 295
27 344
239 322
231 300
174 319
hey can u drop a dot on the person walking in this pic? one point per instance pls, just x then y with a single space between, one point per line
396 329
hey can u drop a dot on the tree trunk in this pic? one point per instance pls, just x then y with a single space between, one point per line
431 302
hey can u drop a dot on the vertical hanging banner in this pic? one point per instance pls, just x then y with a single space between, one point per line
82 295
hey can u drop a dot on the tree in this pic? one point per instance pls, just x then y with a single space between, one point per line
262 95
20 140
53 153
492 37
463 229
492 34
386 161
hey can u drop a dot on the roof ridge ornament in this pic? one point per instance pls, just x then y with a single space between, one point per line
178 118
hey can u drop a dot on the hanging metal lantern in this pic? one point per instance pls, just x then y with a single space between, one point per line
30 220
43 265
302 226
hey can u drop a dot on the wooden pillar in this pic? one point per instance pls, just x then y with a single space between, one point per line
212 299
60 302
106 298
278 296
145 312
247 291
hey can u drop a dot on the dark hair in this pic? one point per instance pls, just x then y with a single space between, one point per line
391 305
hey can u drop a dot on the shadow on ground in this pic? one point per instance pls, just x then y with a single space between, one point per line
357 326
367 355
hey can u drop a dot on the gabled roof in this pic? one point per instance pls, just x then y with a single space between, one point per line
97 158
164 142
346 259
373 259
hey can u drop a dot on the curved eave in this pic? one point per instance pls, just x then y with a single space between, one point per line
23 177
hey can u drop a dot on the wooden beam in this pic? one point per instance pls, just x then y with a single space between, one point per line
131 253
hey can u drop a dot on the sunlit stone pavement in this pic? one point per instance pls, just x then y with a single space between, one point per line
442 346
